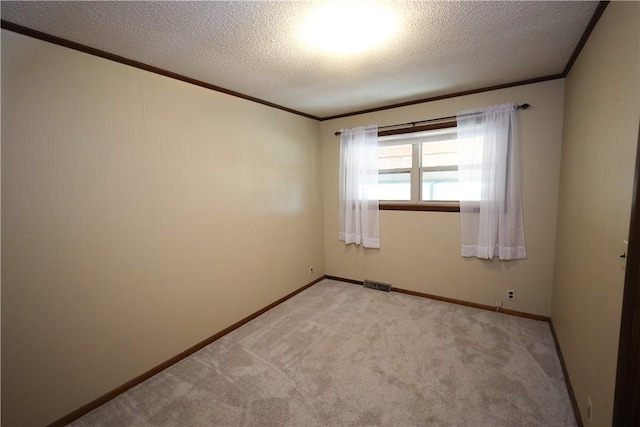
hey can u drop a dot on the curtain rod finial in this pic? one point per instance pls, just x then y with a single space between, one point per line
524 106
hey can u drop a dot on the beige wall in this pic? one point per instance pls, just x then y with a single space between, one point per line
140 215
602 108
420 251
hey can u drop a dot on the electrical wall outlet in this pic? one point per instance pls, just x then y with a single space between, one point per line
311 269
589 409
511 294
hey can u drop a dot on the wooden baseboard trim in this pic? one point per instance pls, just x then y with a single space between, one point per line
342 279
453 301
572 396
474 305
153 371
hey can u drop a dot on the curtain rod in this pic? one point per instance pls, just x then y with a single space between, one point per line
413 124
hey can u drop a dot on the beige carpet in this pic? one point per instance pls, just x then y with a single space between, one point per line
341 354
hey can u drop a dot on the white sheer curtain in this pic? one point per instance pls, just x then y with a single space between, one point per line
358 214
489 177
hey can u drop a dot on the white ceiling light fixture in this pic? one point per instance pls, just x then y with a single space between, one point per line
349 26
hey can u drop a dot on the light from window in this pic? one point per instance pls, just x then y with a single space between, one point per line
440 186
395 162
395 156
423 167
394 186
439 166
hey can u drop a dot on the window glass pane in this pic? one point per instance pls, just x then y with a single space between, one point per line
394 156
440 185
394 186
437 166
439 153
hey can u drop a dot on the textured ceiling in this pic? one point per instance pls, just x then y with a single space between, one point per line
254 48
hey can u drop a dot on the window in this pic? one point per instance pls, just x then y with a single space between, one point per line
395 164
420 167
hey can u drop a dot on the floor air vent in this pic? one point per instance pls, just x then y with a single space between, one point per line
377 285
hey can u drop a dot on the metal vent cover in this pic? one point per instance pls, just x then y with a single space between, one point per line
377 285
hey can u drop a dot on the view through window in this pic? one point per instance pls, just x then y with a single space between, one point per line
423 167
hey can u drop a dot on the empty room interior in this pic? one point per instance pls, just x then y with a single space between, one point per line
171 184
